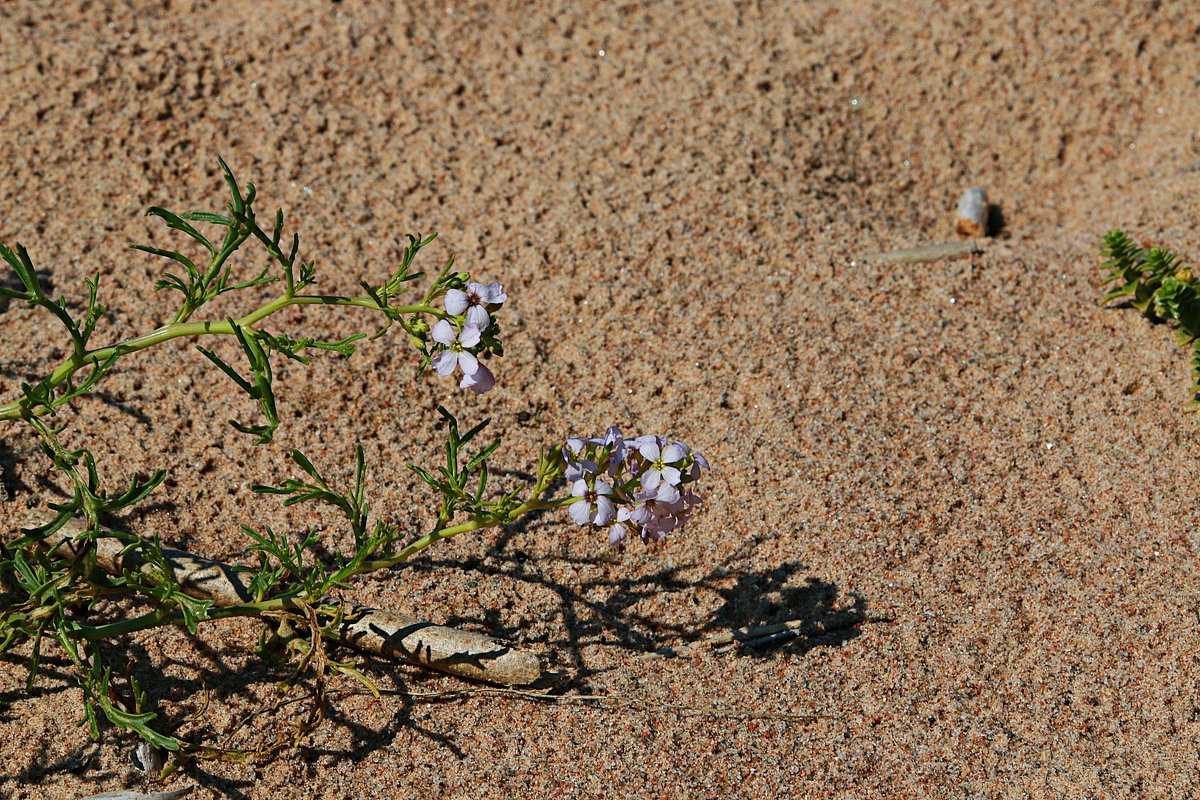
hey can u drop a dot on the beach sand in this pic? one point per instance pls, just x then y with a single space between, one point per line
972 454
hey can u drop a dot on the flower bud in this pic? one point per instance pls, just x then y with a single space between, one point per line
418 327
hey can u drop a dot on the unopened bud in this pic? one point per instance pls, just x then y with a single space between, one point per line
418 327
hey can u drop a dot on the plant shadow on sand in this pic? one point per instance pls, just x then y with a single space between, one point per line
596 613
600 611
53 681
175 696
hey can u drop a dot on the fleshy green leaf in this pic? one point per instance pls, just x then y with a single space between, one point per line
174 222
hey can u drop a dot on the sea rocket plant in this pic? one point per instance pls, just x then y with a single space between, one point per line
650 490
642 485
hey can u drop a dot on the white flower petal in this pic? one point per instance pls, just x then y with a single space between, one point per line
672 453
444 362
581 512
493 293
456 301
605 511
468 362
478 316
443 332
667 493
481 382
650 479
617 534
469 336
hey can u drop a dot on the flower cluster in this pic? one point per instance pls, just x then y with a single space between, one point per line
474 304
641 484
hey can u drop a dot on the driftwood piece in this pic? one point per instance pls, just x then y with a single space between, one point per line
917 255
970 218
127 795
372 630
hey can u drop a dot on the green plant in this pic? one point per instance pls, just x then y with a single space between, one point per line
642 484
1155 283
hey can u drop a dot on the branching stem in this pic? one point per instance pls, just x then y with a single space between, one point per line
437 535
176 330
163 616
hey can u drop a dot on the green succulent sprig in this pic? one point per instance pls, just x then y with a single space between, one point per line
1155 282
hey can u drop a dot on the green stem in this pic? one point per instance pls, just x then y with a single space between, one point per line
66 464
175 330
233 241
161 617
485 521
77 341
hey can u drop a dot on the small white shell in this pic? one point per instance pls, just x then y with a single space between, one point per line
148 759
971 217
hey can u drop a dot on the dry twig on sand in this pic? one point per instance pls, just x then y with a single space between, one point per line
918 255
635 703
126 795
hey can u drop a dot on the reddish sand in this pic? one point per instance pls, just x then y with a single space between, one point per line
992 467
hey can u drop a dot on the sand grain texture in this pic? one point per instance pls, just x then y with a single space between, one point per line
672 194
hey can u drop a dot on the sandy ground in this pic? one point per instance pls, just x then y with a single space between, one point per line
972 452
